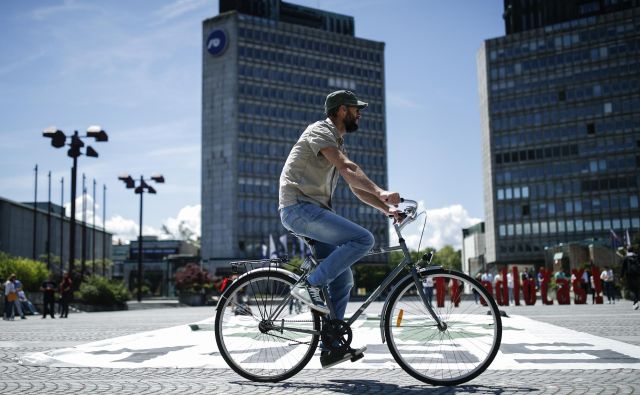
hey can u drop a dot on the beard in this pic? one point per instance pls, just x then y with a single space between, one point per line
350 123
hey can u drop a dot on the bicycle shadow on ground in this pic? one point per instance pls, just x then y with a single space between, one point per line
344 386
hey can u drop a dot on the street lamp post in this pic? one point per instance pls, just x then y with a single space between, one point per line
35 213
142 185
58 140
83 236
104 228
61 227
93 232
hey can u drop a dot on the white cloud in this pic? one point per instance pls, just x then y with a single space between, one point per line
88 210
179 8
123 229
397 100
184 151
188 219
67 6
444 227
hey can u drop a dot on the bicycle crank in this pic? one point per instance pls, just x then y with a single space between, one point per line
336 335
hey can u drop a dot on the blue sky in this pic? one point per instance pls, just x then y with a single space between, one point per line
134 67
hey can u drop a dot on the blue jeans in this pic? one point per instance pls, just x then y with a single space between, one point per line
339 241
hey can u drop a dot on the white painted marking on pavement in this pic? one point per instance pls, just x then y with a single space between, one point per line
526 344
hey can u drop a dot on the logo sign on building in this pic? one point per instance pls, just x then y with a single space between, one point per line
217 42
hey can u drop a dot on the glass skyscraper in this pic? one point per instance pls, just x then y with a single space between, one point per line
560 113
267 68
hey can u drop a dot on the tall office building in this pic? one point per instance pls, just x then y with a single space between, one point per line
560 95
267 68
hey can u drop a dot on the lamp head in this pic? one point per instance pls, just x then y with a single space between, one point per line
97 133
57 136
127 179
159 178
91 152
74 151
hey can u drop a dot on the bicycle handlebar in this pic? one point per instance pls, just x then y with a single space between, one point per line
409 213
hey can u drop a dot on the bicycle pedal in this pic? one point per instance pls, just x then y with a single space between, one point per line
356 357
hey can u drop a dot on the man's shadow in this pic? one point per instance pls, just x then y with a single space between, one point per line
370 386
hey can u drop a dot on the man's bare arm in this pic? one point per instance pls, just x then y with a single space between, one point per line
370 199
376 203
355 176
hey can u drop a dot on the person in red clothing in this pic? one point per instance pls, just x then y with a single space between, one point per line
66 294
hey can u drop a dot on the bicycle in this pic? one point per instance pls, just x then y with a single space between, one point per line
447 341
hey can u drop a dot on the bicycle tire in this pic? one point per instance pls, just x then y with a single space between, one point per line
250 350
446 357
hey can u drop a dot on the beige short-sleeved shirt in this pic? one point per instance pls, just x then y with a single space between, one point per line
307 175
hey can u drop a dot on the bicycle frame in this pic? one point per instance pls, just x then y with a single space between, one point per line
405 263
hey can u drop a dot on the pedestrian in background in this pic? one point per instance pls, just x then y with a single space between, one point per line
631 273
607 280
592 283
66 294
27 306
48 289
510 286
10 296
427 287
16 303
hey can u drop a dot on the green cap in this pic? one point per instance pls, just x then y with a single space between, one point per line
339 98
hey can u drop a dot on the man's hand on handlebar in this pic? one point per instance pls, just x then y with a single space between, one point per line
391 198
397 215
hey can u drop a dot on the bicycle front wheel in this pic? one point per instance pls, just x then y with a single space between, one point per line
459 350
260 332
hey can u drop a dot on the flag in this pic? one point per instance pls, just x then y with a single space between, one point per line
264 250
273 253
615 240
283 241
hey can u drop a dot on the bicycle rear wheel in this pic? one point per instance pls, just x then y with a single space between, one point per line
254 337
453 354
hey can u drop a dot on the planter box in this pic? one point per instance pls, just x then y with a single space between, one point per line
92 308
192 298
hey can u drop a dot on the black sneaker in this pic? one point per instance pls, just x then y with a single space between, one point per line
310 296
332 358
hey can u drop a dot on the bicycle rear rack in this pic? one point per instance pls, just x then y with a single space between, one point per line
240 267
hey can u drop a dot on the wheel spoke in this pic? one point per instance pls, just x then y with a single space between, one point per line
461 351
256 348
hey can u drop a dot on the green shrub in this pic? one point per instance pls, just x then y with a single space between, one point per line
99 290
30 273
146 291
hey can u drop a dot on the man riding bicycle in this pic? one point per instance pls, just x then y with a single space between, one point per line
307 182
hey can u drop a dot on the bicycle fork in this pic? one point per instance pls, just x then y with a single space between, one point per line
417 280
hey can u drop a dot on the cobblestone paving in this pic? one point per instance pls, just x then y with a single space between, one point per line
34 334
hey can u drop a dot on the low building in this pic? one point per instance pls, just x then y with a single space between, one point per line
21 222
160 258
473 249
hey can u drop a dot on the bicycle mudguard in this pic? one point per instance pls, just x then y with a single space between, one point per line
226 292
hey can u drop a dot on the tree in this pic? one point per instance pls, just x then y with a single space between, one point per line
370 276
448 258
31 273
184 233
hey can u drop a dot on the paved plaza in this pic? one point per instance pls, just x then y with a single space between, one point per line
546 349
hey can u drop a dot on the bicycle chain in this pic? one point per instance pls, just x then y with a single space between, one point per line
291 340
